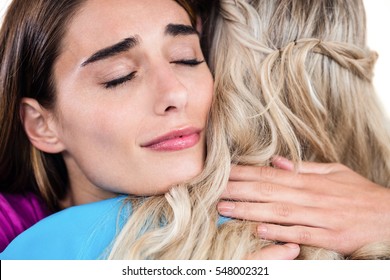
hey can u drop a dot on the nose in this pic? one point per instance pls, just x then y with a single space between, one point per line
171 93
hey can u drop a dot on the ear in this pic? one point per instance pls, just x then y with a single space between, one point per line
40 126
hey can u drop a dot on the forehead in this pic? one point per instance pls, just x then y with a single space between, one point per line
102 22
138 12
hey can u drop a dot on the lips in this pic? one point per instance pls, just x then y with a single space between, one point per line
175 140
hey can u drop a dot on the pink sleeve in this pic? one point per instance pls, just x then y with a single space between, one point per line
17 213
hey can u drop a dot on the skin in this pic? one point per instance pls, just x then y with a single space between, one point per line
288 251
109 111
324 205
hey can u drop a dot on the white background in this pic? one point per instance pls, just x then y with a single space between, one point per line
276 270
378 24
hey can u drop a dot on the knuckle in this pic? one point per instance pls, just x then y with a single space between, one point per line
266 172
282 209
304 236
267 189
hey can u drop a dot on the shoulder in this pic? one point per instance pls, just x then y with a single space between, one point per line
17 213
222 220
80 232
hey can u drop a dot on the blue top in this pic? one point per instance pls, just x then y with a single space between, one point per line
77 233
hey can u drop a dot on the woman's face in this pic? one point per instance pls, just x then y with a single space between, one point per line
133 97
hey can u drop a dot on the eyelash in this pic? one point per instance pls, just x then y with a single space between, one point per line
119 81
188 62
116 82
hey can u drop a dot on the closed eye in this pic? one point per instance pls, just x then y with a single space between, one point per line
188 62
119 81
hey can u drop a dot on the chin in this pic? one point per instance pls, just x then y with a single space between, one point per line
183 174
188 171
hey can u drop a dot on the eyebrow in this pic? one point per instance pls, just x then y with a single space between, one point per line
131 42
180 30
113 50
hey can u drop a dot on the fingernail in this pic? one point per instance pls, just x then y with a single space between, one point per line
282 163
292 245
226 207
262 231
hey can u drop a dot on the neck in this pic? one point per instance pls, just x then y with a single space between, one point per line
81 190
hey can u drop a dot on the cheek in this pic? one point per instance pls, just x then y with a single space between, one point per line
96 127
101 143
83 121
205 94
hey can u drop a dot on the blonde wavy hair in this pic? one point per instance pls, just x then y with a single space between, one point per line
292 78
301 78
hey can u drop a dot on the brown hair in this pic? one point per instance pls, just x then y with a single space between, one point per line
30 42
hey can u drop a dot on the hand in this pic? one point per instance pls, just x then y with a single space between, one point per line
323 205
288 251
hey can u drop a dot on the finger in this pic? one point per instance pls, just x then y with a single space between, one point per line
265 174
306 167
278 212
283 163
318 168
287 251
312 236
268 192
